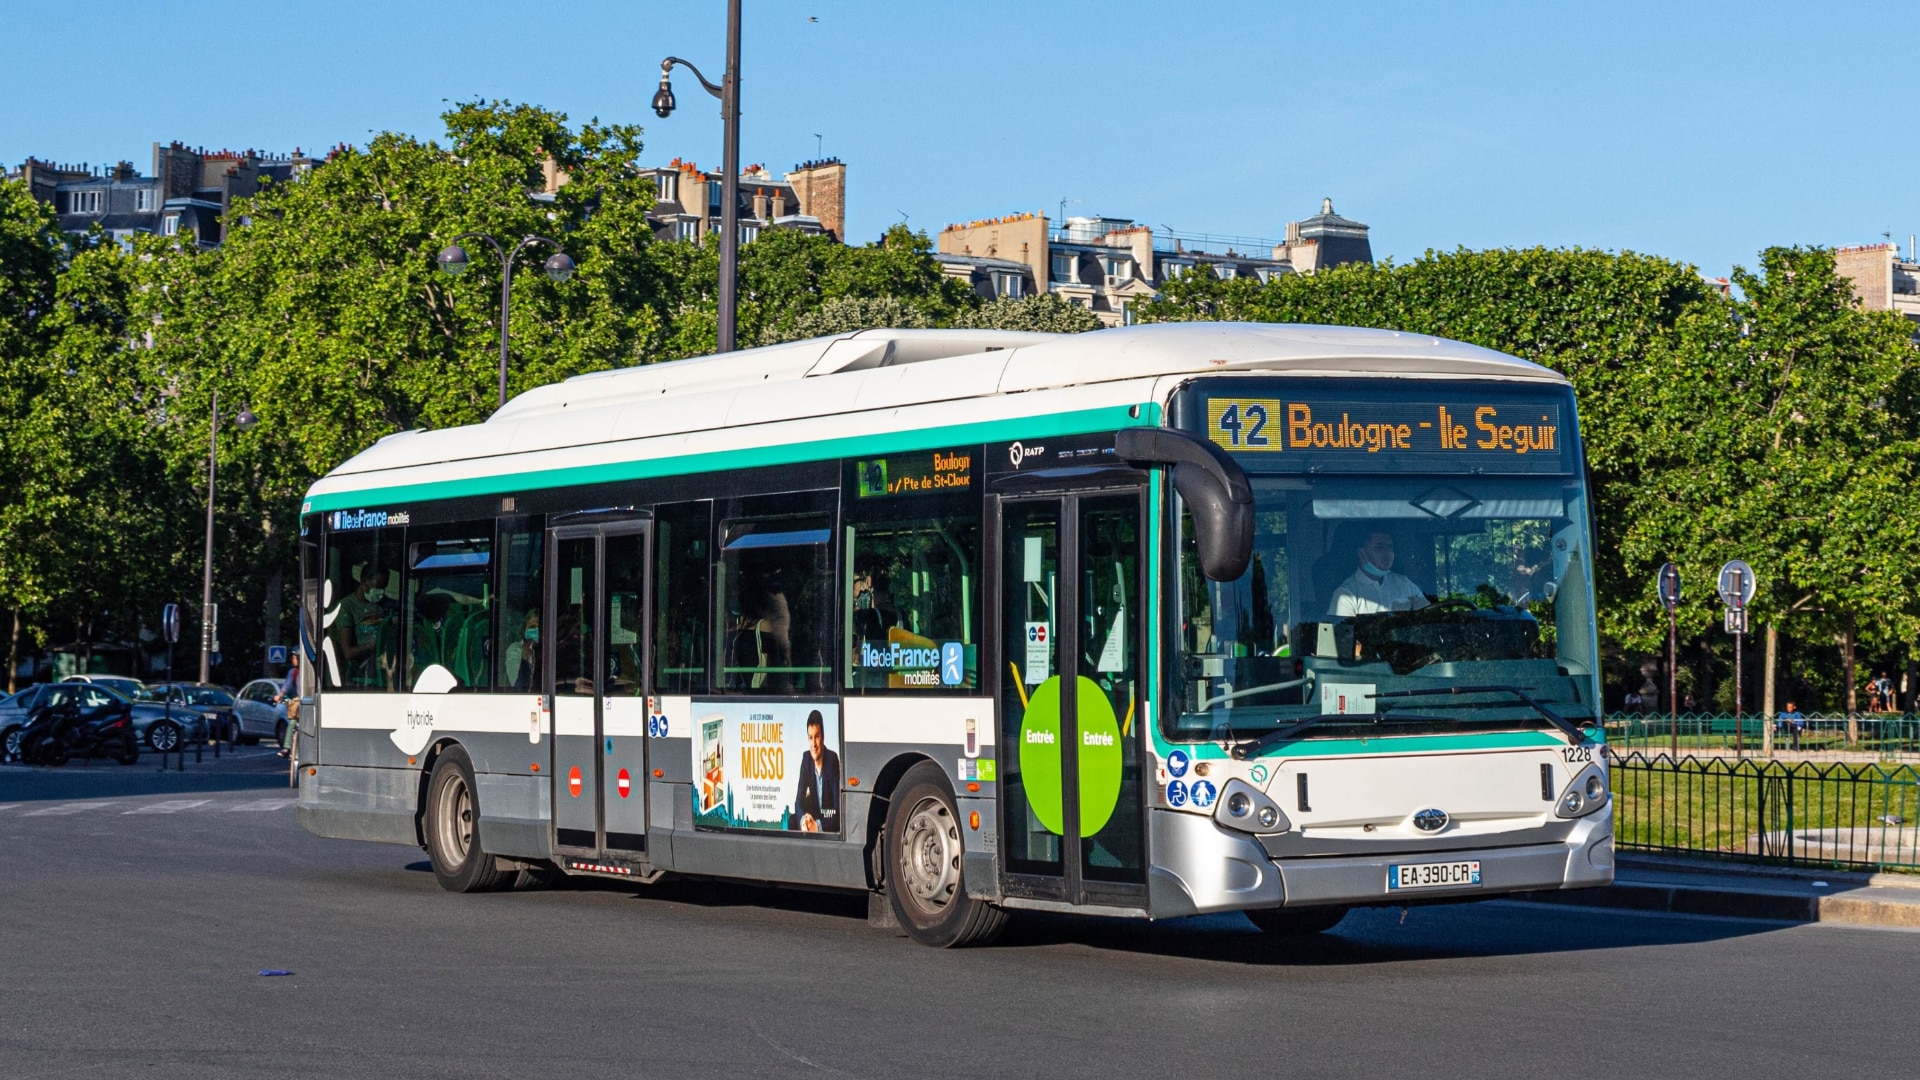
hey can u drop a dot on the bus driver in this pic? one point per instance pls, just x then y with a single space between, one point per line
1373 586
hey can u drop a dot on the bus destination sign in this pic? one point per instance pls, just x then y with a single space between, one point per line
935 473
1501 434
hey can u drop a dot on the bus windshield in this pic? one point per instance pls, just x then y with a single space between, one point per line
1362 588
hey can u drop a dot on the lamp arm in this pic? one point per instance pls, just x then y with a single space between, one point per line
532 239
491 242
667 66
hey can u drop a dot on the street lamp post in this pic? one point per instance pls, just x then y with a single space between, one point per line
729 94
453 260
209 628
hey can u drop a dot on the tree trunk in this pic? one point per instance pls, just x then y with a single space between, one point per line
1853 700
1767 710
13 656
270 617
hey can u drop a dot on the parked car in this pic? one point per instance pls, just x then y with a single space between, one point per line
152 723
128 687
261 714
212 705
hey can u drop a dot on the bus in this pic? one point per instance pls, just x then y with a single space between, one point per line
1151 621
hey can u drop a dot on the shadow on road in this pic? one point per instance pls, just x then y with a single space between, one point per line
246 770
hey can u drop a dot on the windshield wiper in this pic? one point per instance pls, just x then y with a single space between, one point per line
1247 749
1572 730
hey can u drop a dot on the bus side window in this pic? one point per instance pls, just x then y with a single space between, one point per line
774 597
516 654
915 596
683 534
450 604
361 650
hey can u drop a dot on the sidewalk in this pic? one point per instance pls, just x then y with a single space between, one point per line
1702 887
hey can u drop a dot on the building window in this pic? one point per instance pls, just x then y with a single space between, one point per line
83 202
668 185
1119 271
689 229
1009 286
1063 268
170 225
749 233
1173 270
1225 272
713 195
142 200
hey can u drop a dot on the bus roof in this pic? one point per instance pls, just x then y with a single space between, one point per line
888 371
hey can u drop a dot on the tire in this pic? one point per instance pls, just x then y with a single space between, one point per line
164 736
10 748
1296 922
51 752
924 881
451 828
129 753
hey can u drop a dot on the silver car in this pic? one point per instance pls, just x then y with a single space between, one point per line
260 712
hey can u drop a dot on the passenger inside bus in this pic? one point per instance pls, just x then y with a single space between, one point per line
522 659
365 629
761 638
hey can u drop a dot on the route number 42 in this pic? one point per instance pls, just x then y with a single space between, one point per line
1246 425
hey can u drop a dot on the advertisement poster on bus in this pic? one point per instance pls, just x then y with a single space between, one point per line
764 765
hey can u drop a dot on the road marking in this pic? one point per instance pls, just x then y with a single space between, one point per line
10 805
264 804
171 806
65 808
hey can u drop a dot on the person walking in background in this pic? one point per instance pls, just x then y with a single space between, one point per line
1793 722
1880 694
289 696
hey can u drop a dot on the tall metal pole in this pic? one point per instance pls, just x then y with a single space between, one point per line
506 296
1739 685
729 185
206 578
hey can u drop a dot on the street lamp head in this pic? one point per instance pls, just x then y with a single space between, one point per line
245 420
663 99
452 259
559 266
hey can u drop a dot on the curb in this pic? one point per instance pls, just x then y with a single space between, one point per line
1739 904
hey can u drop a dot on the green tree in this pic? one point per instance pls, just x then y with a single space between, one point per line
1043 313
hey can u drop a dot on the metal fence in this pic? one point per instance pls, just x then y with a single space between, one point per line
1830 814
1861 737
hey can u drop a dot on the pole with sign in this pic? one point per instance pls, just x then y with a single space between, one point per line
1667 585
1736 591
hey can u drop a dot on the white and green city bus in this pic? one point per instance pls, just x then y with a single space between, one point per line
1147 622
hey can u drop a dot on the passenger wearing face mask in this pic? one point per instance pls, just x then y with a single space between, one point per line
523 656
363 615
1373 586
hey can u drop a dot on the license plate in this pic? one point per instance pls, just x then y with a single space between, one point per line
1432 875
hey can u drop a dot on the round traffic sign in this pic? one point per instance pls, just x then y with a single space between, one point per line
624 783
1736 584
1667 585
573 781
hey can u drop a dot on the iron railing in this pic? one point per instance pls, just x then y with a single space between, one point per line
1861 737
1829 814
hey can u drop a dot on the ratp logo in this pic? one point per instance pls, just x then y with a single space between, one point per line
1019 452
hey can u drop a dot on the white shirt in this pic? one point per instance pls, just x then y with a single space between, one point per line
1364 594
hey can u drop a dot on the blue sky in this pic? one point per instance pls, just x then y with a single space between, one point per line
1702 132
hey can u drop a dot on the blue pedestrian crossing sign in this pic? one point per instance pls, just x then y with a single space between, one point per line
276 654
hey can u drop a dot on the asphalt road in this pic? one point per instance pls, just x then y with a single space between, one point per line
136 912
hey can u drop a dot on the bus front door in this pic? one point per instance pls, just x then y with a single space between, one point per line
1072 614
597 640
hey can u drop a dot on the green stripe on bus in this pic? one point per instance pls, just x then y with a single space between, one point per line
1078 422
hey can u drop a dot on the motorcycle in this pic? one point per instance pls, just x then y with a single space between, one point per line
55 734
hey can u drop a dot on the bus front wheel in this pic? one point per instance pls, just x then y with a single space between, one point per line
452 828
1296 922
923 861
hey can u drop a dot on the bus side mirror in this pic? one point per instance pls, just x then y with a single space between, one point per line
1214 488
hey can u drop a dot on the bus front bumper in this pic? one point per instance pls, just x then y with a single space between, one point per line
1200 867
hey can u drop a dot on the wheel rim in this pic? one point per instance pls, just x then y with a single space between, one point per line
453 821
13 743
930 856
165 736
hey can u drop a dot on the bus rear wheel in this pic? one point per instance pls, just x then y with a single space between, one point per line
923 861
1296 922
452 828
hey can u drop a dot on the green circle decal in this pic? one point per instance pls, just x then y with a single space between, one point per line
1101 756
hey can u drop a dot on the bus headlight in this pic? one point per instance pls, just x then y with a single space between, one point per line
1587 793
1246 808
